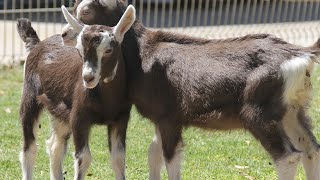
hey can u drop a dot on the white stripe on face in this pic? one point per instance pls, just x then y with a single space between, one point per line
104 45
79 45
108 3
83 6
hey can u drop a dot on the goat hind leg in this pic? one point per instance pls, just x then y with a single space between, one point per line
275 141
299 131
80 132
56 147
29 116
311 164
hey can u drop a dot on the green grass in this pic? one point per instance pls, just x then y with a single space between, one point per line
208 155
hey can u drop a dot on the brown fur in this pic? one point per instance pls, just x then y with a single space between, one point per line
53 80
177 81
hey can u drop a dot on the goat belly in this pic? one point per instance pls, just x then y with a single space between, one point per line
216 120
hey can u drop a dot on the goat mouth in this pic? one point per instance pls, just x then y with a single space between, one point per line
90 84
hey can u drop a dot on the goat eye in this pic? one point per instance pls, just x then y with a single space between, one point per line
108 51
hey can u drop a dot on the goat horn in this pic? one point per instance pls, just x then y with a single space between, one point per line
77 26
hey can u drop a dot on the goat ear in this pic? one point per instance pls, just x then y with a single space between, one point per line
125 23
75 24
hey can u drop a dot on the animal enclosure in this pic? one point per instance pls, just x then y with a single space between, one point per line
293 20
222 146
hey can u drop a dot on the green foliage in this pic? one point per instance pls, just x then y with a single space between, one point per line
208 154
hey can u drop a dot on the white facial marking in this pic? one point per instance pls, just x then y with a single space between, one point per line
108 3
79 41
113 74
105 43
103 46
100 50
294 74
83 6
88 70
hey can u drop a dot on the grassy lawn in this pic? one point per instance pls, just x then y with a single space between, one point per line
208 155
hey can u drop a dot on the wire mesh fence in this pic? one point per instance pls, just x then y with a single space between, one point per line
294 20
186 13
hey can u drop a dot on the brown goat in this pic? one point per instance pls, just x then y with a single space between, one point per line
256 82
54 79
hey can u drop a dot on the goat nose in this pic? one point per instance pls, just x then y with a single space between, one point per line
88 77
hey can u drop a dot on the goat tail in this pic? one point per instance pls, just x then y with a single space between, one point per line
27 33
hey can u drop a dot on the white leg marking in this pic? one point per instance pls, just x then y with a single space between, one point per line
302 141
294 130
117 156
155 157
311 164
287 166
27 160
294 74
174 166
82 163
56 148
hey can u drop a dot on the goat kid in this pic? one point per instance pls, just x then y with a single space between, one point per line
77 93
257 82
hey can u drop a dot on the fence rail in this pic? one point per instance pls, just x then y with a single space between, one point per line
189 15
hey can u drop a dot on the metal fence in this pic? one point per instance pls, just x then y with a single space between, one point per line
289 19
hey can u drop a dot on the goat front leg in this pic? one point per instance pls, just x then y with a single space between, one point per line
117 145
155 158
80 131
172 147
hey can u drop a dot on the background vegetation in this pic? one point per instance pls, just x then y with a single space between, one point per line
208 155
